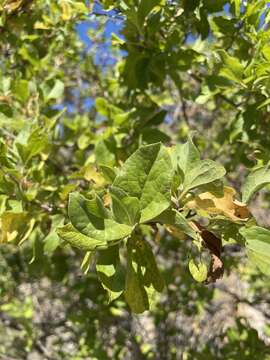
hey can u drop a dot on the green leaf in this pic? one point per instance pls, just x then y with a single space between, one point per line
264 103
181 223
36 144
176 219
111 272
187 164
86 262
147 259
153 297
57 91
190 5
147 176
184 156
21 90
135 293
72 236
198 271
214 6
102 106
255 181
126 209
30 224
90 217
79 206
108 172
150 135
84 140
237 7
258 247
13 226
112 112
52 241
203 172
104 152
3 201
232 69
146 7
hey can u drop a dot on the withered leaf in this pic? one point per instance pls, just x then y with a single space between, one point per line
214 245
212 242
216 269
209 204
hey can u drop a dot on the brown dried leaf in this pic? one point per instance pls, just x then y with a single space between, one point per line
214 245
5 99
216 269
225 205
212 242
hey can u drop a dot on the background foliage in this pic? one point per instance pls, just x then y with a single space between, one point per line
84 85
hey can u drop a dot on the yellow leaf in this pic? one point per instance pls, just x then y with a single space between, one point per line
209 204
107 200
12 225
65 190
66 10
28 232
39 25
5 99
91 174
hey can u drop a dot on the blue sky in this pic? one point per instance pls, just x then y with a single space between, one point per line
113 25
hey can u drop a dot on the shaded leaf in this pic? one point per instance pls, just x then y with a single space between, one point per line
177 222
126 209
135 293
147 259
52 240
111 272
232 67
